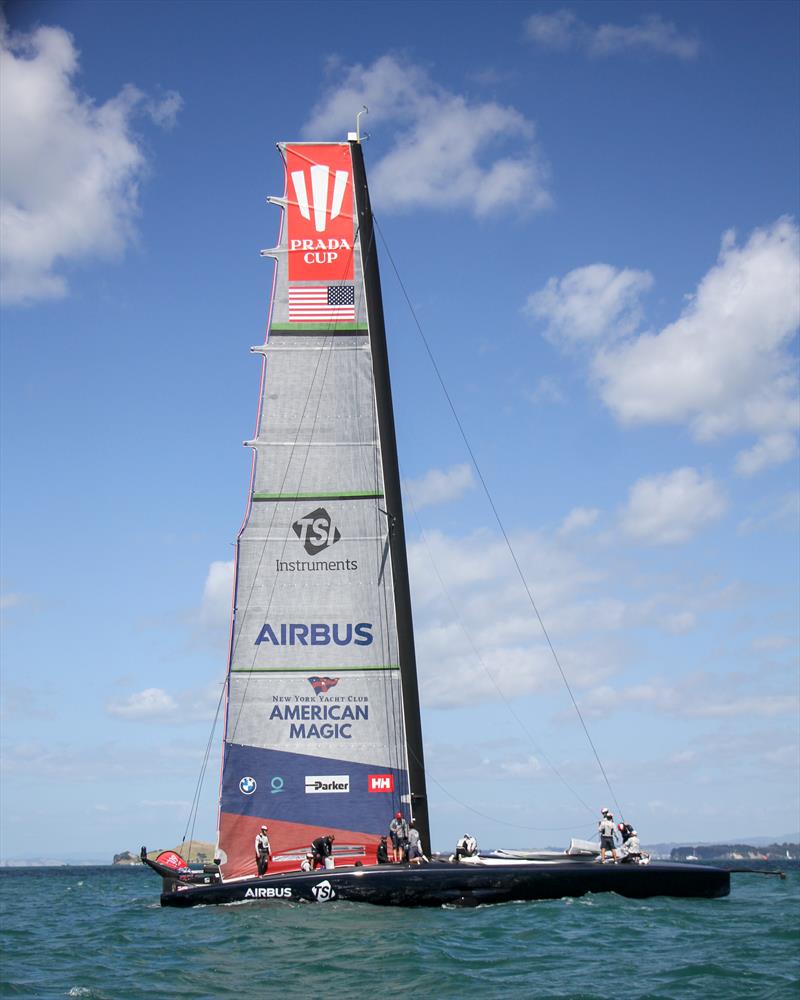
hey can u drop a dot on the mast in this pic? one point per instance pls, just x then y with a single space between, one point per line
394 503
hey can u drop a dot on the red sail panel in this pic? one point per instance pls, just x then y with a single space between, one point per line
319 215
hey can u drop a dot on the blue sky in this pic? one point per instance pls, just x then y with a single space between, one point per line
593 208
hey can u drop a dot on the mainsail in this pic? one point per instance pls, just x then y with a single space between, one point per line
322 731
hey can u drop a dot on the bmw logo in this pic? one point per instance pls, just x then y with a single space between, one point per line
247 785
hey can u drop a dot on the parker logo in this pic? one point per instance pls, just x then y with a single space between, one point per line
321 784
322 685
316 531
380 782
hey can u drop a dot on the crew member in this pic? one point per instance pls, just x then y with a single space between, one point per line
467 847
606 830
415 855
307 863
398 831
263 851
382 855
631 848
322 848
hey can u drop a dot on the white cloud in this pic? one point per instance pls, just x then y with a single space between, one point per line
578 519
696 697
563 30
152 703
590 303
439 486
215 611
70 168
447 150
681 622
156 704
10 600
671 508
483 630
724 367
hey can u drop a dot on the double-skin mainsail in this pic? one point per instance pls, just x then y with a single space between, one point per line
322 729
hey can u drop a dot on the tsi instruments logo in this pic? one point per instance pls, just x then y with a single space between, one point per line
380 782
324 783
323 891
316 531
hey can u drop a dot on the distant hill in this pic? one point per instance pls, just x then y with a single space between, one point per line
202 852
737 852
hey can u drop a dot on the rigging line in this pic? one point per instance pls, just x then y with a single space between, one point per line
192 819
497 518
400 724
494 819
488 673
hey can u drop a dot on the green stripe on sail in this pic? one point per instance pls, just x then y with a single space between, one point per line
323 327
305 670
318 496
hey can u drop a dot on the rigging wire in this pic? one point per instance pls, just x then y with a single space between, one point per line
488 672
497 516
192 818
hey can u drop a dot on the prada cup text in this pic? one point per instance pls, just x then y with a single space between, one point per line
320 251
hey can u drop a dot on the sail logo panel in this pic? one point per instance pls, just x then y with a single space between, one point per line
314 731
320 212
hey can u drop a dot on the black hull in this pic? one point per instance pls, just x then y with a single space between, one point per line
439 884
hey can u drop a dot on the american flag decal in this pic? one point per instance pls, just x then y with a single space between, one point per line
322 304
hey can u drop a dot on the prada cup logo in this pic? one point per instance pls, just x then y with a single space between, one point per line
320 187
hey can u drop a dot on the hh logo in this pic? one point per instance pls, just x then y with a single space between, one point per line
381 782
319 213
316 531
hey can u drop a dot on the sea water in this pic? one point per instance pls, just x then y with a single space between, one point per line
99 933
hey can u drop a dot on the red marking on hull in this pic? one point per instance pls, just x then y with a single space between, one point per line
237 835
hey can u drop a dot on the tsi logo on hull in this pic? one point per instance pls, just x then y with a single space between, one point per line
381 782
320 783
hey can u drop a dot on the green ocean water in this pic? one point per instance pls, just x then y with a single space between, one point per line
99 933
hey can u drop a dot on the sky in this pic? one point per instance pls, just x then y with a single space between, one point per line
592 210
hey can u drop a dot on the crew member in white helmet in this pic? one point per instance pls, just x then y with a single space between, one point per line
263 851
467 847
606 830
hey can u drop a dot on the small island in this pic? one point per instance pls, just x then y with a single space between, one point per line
195 852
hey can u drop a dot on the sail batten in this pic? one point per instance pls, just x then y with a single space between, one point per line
316 723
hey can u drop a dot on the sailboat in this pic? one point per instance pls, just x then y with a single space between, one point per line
322 720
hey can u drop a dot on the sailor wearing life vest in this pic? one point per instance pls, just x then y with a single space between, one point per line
398 831
467 847
606 830
631 848
262 851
